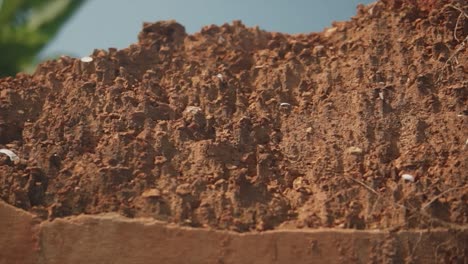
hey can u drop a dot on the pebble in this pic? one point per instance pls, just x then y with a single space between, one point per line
408 177
318 48
10 154
151 193
354 150
301 185
381 95
330 31
86 59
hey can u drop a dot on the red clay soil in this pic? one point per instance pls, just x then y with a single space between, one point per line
240 129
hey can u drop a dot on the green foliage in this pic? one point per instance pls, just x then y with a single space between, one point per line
26 26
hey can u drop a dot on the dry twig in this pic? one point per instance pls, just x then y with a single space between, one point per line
363 185
461 45
440 195
421 211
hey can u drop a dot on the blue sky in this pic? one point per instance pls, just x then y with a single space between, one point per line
105 23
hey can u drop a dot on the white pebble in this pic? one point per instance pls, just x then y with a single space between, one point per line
407 177
86 59
381 95
193 109
285 105
219 76
10 154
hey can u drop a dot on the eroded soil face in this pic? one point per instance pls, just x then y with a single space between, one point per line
241 129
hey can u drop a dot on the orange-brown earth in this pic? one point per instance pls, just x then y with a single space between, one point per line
240 129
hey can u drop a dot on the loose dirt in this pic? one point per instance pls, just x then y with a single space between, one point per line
240 129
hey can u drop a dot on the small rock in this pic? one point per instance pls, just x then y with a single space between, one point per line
220 182
408 177
301 185
381 95
297 183
10 154
158 160
151 193
354 150
183 189
309 130
231 167
330 31
319 50
86 59
192 109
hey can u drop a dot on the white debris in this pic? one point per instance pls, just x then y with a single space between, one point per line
381 95
408 177
285 105
10 154
86 59
219 76
192 109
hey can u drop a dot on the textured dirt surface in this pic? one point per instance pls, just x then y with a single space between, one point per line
110 238
240 129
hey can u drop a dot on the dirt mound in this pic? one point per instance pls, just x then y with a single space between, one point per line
241 129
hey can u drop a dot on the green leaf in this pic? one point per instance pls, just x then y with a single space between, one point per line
9 10
26 26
